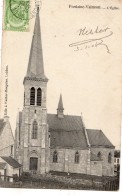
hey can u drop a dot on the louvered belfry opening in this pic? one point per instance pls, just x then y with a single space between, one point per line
32 96
39 96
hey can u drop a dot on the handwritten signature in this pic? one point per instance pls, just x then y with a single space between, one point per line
92 42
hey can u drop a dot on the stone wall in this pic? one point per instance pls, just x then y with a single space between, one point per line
96 168
66 161
34 147
38 147
107 168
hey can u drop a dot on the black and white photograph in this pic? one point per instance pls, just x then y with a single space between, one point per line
61 94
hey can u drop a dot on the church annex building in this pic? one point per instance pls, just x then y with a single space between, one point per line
55 142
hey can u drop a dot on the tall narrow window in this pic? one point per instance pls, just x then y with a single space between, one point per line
99 155
34 130
12 150
109 158
55 157
77 157
32 96
39 96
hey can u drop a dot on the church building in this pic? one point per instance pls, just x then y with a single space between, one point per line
55 142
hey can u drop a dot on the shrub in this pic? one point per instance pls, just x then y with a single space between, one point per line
25 176
15 178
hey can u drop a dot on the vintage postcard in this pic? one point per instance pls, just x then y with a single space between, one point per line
60 92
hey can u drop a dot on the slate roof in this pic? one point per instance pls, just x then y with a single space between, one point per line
2 165
11 161
67 139
67 132
67 123
2 124
97 139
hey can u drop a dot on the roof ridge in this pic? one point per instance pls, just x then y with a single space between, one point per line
94 129
64 115
65 130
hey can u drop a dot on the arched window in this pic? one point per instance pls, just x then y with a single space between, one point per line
32 96
99 155
34 130
12 150
109 157
55 157
77 157
39 97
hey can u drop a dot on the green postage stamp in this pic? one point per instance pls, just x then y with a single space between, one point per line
16 15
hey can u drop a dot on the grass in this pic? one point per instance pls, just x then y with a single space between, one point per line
59 180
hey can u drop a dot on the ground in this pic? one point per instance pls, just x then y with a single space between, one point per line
64 181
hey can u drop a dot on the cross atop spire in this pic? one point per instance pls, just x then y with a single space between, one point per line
35 64
60 108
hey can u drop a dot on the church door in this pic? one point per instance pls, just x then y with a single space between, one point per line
33 165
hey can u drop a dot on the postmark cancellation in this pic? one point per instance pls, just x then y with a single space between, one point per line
17 14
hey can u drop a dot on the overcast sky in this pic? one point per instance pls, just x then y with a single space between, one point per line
89 79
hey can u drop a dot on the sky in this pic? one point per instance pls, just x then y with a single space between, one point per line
89 79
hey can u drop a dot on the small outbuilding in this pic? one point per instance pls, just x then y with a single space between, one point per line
9 168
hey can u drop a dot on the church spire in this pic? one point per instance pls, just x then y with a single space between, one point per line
35 64
60 108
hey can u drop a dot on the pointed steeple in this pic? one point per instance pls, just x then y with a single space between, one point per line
35 64
60 108
60 103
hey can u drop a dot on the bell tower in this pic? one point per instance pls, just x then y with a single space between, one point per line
34 145
35 81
